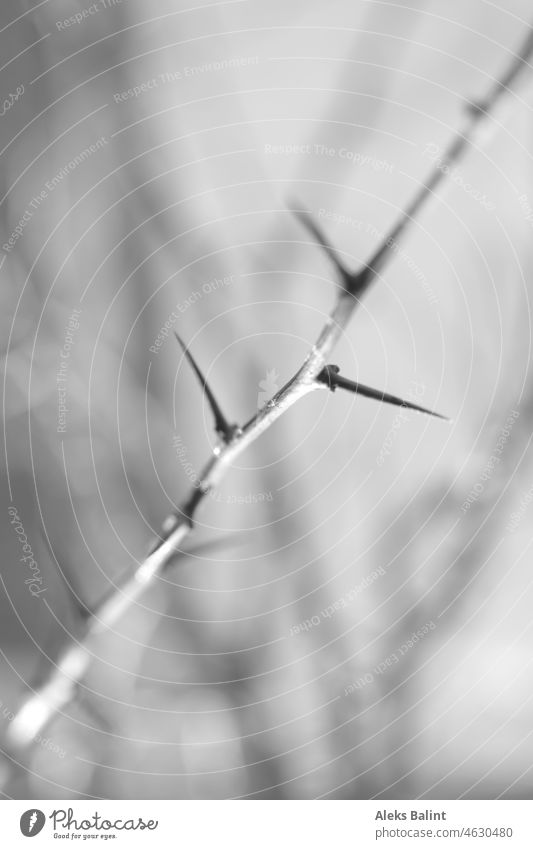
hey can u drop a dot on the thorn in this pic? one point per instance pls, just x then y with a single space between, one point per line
209 545
222 426
82 610
307 220
330 375
197 550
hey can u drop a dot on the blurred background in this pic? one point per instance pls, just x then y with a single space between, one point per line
363 629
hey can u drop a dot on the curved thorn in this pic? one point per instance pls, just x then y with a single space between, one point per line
206 547
71 589
222 426
307 220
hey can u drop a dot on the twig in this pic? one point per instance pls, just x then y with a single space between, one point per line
62 685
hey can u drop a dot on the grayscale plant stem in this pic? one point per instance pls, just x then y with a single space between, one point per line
62 685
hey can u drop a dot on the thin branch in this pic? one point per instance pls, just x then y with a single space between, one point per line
358 282
62 685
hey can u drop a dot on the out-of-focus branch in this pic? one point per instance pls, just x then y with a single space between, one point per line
62 685
476 113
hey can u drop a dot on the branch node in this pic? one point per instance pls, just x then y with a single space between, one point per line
348 277
328 375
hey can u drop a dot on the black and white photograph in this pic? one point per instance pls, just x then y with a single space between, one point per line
266 503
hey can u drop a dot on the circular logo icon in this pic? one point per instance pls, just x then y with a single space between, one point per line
32 822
